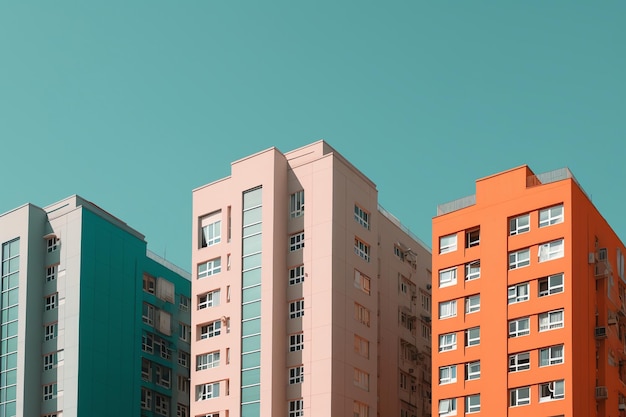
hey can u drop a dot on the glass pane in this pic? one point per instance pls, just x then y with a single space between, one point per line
251 394
251 230
250 262
250 360
252 244
251 310
251 277
249 344
252 198
250 377
251 327
253 409
251 294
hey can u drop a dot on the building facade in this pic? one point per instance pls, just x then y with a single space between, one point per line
72 320
313 312
529 296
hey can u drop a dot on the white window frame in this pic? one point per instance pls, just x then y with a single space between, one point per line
551 215
472 237
551 250
519 224
447 243
472 304
183 358
51 301
296 375
447 309
472 270
519 259
519 292
208 360
209 268
296 408
472 370
210 330
447 342
183 302
183 411
207 391
296 275
362 217
362 249
52 244
447 374
211 234
51 331
296 241
51 272
148 313
550 321
184 332
447 407
50 360
146 399
519 362
472 336
296 342
296 204
296 308
50 391
209 299
472 404
147 342
447 277
551 288
552 355
163 376
519 327
552 391
519 396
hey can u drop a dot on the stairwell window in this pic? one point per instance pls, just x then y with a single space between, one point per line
519 258
551 215
296 408
296 375
551 320
550 391
296 275
552 284
447 243
551 250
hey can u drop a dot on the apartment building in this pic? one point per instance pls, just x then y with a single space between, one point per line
80 337
529 295
323 311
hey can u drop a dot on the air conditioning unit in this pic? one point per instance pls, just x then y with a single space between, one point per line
601 393
600 333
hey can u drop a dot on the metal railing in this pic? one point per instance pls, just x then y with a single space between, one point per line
455 205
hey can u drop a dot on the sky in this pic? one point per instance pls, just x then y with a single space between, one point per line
133 104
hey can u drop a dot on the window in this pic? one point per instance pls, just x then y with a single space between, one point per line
519 327
183 302
53 244
362 282
296 204
296 275
551 215
296 408
361 346
207 360
472 336
163 376
447 309
163 348
398 252
209 299
519 224
207 391
519 396
50 361
425 300
212 267
404 383
361 379
296 375
447 374
362 249
211 229
296 241
519 259
161 405
360 409
551 250
182 410
146 369
296 309
447 277
552 355
147 314
447 342
210 330
49 391
550 391
51 301
362 217
447 407
472 304
551 285
184 332
147 342
472 238
426 331
296 342
447 243
146 399
183 358
472 370
183 383
472 270
518 293
51 273
551 320
50 331
472 403
361 314
519 362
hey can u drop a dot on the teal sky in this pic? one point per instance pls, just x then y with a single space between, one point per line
132 104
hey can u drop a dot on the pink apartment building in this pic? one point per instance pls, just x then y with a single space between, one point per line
323 311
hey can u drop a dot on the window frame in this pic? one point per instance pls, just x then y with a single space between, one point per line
210 330
470 307
447 342
207 391
451 309
472 370
514 259
448 282
472 340
515 293
551 358
296 408
551 325
472 237
296 275
211 234
519 400
550 218
209 299
519 331
362 216
362 249
447 407
472 408
296 204
553 394
296 342
296 308
451 374
448 243
296 241
296 375
550 288
514 225
519 362
547 252
213 267
472 270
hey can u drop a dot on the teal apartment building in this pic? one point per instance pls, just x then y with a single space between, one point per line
91 322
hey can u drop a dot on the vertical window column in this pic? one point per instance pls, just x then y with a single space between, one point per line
8 325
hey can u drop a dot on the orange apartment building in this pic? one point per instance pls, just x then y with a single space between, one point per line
317 309
528 298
